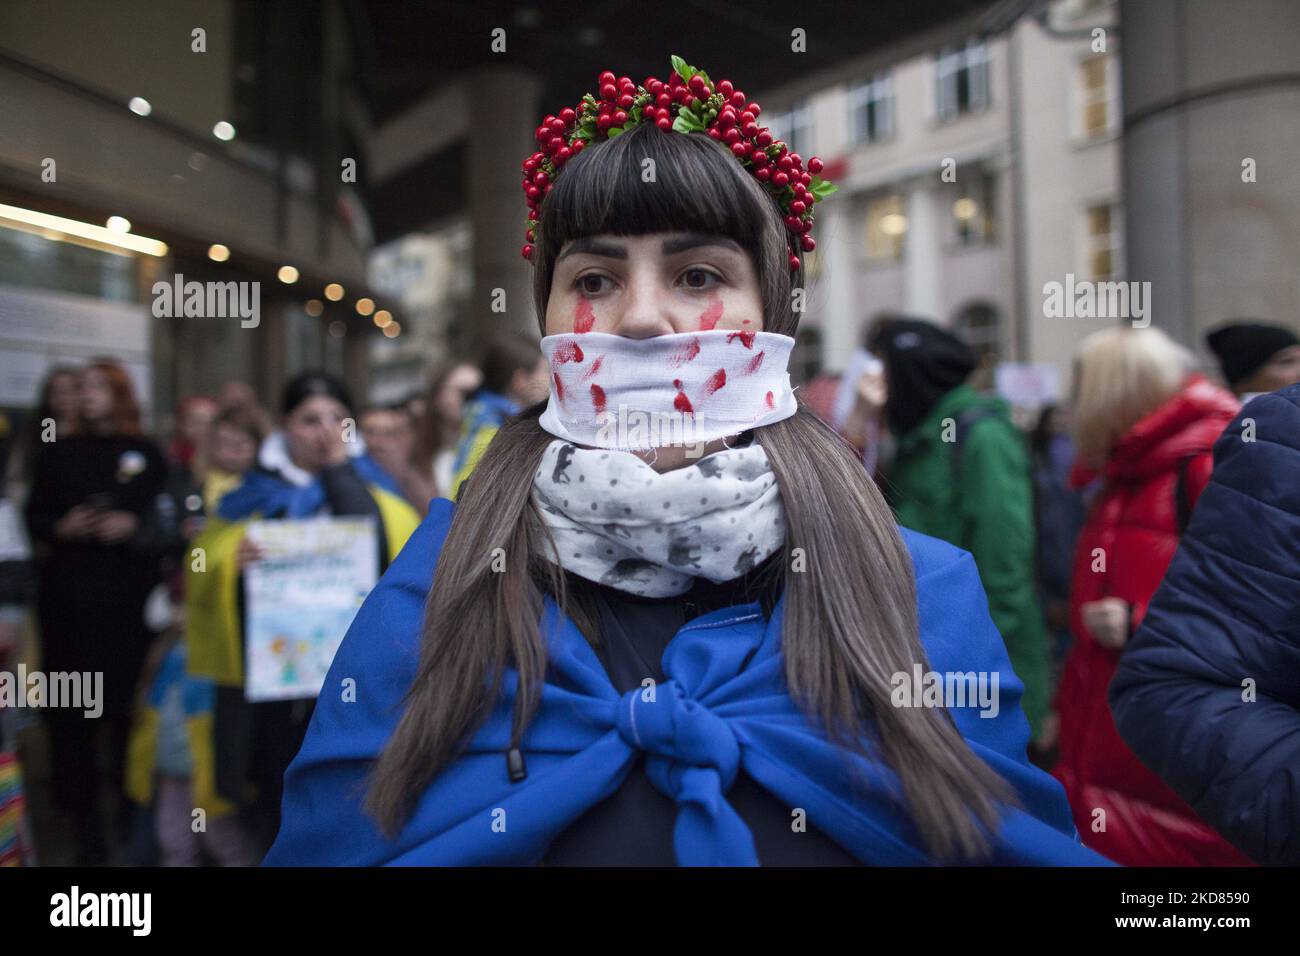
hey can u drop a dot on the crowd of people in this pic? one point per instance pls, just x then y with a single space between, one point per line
100 528
1072 527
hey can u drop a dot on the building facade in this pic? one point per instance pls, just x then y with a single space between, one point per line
970 174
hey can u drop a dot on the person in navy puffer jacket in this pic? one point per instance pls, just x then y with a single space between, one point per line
1208 692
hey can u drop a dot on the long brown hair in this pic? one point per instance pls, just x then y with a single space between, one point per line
125 415
434 430
850 620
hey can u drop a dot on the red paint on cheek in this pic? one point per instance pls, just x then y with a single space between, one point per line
566 352
598 398
746 338
744 321
584 317
715 382
595 367
771 402
559 388
709 317
752 365
681 402
685 354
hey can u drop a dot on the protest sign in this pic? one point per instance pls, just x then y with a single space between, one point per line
301 598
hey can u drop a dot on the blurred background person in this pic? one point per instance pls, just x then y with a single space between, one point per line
221 457
178 509
1145 426
515 375
59 403
415 404
17 589
860 399
236 392
170 765
1256 357
1208 692
194 417
304 469
450 386
389 436
1058 518
230 452
961 473
90 494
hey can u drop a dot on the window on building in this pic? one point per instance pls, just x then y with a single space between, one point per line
871 109
1102 240
972 215
886 227
962 80
1097 101
794 128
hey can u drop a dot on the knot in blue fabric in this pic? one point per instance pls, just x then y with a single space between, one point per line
693 757
666 724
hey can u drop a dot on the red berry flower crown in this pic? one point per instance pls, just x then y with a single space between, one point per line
688 102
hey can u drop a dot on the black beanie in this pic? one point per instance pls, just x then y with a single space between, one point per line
924 363
1244 347
307 384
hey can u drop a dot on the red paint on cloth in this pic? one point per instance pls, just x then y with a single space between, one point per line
684 354
566 352
681 402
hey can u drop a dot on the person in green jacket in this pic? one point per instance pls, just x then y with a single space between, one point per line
961 472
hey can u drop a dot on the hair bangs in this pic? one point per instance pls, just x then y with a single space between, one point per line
648 181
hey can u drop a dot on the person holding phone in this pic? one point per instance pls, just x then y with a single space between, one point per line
90 493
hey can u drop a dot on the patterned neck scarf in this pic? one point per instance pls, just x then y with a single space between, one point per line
617 521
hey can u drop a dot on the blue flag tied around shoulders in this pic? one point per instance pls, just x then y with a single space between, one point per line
724 708
271 496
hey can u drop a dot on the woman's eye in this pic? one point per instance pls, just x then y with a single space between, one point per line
591 284
698 278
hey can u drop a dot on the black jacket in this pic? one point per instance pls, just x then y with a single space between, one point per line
1208 691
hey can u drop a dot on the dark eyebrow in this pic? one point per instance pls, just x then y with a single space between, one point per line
595 247
610 250
696 239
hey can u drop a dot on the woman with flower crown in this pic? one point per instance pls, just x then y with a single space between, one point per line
670 619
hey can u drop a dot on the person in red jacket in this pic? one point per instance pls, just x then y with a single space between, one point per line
1144 427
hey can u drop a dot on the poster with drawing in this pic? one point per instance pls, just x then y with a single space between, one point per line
300 600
